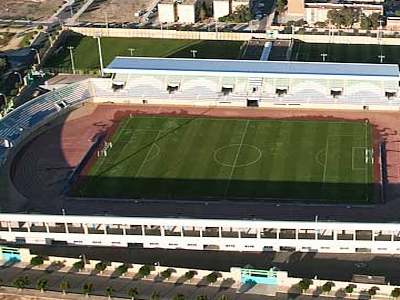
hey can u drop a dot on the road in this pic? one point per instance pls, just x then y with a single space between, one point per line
307 265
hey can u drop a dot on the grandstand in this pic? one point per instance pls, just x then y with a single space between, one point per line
206 83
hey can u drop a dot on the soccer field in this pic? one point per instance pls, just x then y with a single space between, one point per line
87 58
238 159
348 53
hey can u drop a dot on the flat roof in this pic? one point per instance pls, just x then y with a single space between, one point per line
217 67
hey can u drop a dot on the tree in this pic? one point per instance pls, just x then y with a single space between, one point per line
79 265
42 283
304 285
179 297
189 275
40 27
397 13
155 296
281 6
21 282
372 291
223 297
87 288
37 261
395 293
202 297
327 287
211 278
110 291
242 14
203 14
132 293
375 19
122 269
100 267
365 23
343 17
144 270
349 289
64 286
166 274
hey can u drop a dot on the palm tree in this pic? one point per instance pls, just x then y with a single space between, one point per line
202 297
42 283
110 292
133 292
87 288
64 286
155 296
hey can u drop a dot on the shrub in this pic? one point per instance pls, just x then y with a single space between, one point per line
179 297
349 289
37 261
395 293
166 274
144 270
87 288
327 287
304 284
42 283
189 275
212 277
100 266
79 265
21 282
122 269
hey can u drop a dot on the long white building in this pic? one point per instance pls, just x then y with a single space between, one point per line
206 83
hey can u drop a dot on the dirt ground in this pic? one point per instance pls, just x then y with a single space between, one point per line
117 11
28 9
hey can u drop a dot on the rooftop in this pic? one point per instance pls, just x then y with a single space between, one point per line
210 67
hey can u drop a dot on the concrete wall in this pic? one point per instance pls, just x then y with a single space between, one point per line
221 8
187 12
233 36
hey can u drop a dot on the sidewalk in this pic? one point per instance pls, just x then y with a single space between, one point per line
146 287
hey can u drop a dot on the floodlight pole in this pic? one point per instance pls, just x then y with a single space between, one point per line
380 30
381 57
131 50
70 48
106 20
193 53
324 55
100 54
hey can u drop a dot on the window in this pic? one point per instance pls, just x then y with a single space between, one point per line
336 92
116 243
306 248
172 87
153 244
281 91
226 89
77 242
344 248
173 244
96 242
390 94
192 245
325 248
249 246
230 246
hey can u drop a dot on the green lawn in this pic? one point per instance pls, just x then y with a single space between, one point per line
346 53
86 50
197 158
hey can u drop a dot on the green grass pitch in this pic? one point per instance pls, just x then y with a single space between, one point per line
87 58
200 158
348 53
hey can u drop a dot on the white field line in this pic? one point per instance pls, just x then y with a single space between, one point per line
353 167
236 158
326 160
147 155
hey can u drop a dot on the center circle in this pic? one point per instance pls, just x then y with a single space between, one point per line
237 155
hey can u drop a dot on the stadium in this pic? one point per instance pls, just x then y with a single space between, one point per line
208 154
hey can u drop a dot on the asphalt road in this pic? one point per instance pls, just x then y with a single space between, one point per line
307 265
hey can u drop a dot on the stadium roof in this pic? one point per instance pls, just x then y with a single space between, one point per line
185 66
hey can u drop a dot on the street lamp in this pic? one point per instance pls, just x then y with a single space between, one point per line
70 48
37 55
131 50
98 37
324 55
381 57
83 256
63 211
194 52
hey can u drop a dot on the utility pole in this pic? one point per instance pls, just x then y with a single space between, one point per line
98 37
70 48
